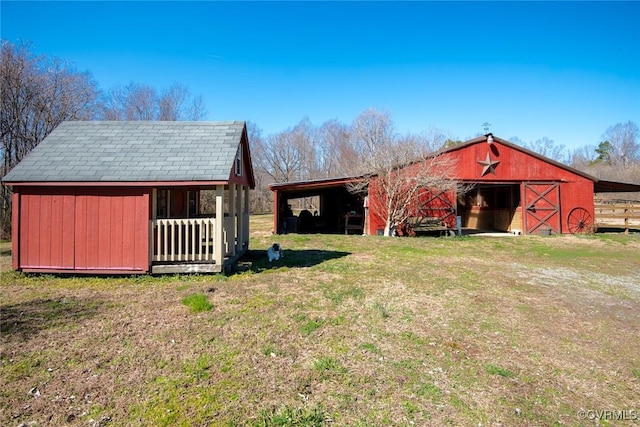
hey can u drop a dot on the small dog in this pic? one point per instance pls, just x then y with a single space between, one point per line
275 252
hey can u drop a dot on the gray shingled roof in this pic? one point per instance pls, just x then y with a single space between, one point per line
132 152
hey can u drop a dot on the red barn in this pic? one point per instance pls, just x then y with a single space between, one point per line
129 197
512 189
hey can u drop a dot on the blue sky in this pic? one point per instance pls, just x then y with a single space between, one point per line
563 70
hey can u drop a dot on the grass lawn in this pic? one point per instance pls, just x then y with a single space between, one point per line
345 330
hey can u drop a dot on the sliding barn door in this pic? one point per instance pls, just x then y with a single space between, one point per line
83 229
542 207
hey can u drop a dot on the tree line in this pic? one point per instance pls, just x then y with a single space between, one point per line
39 92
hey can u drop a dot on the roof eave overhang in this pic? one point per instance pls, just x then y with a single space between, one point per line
602 186
314 184
187 183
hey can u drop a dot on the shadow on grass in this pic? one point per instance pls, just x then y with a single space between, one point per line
633 229
21 321
257 261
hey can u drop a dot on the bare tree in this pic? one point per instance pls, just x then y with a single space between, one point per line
176 103
278 157
336 153
434 139
112 104
289 155
547 147
170 101
261 197
304 139
623 138
132 102
141 102
374 136
583 157
399 170
37 94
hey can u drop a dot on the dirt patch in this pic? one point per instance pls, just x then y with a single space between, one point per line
621 284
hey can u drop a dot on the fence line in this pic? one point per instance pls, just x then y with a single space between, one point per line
617 211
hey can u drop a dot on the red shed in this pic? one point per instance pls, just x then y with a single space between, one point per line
133 197
512 189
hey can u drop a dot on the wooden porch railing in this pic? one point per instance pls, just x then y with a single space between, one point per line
617 213
183 239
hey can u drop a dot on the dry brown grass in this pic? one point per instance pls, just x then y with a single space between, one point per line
361 330
5 256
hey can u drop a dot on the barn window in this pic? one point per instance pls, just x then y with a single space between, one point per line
239 161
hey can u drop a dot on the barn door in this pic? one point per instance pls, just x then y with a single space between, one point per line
542 207
439 206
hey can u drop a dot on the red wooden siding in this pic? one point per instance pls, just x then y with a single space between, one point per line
514 165
575 194
83 229
44 219
376 206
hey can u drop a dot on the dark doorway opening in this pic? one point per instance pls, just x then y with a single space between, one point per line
495 207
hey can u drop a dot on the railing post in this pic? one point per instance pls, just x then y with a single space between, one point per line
162 227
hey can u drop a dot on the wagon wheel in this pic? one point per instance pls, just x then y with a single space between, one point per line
580 221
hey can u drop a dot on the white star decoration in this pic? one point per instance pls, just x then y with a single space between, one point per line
488 165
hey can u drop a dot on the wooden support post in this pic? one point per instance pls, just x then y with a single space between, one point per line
218 239
232 217
239 225
276 212
245 236
152 234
